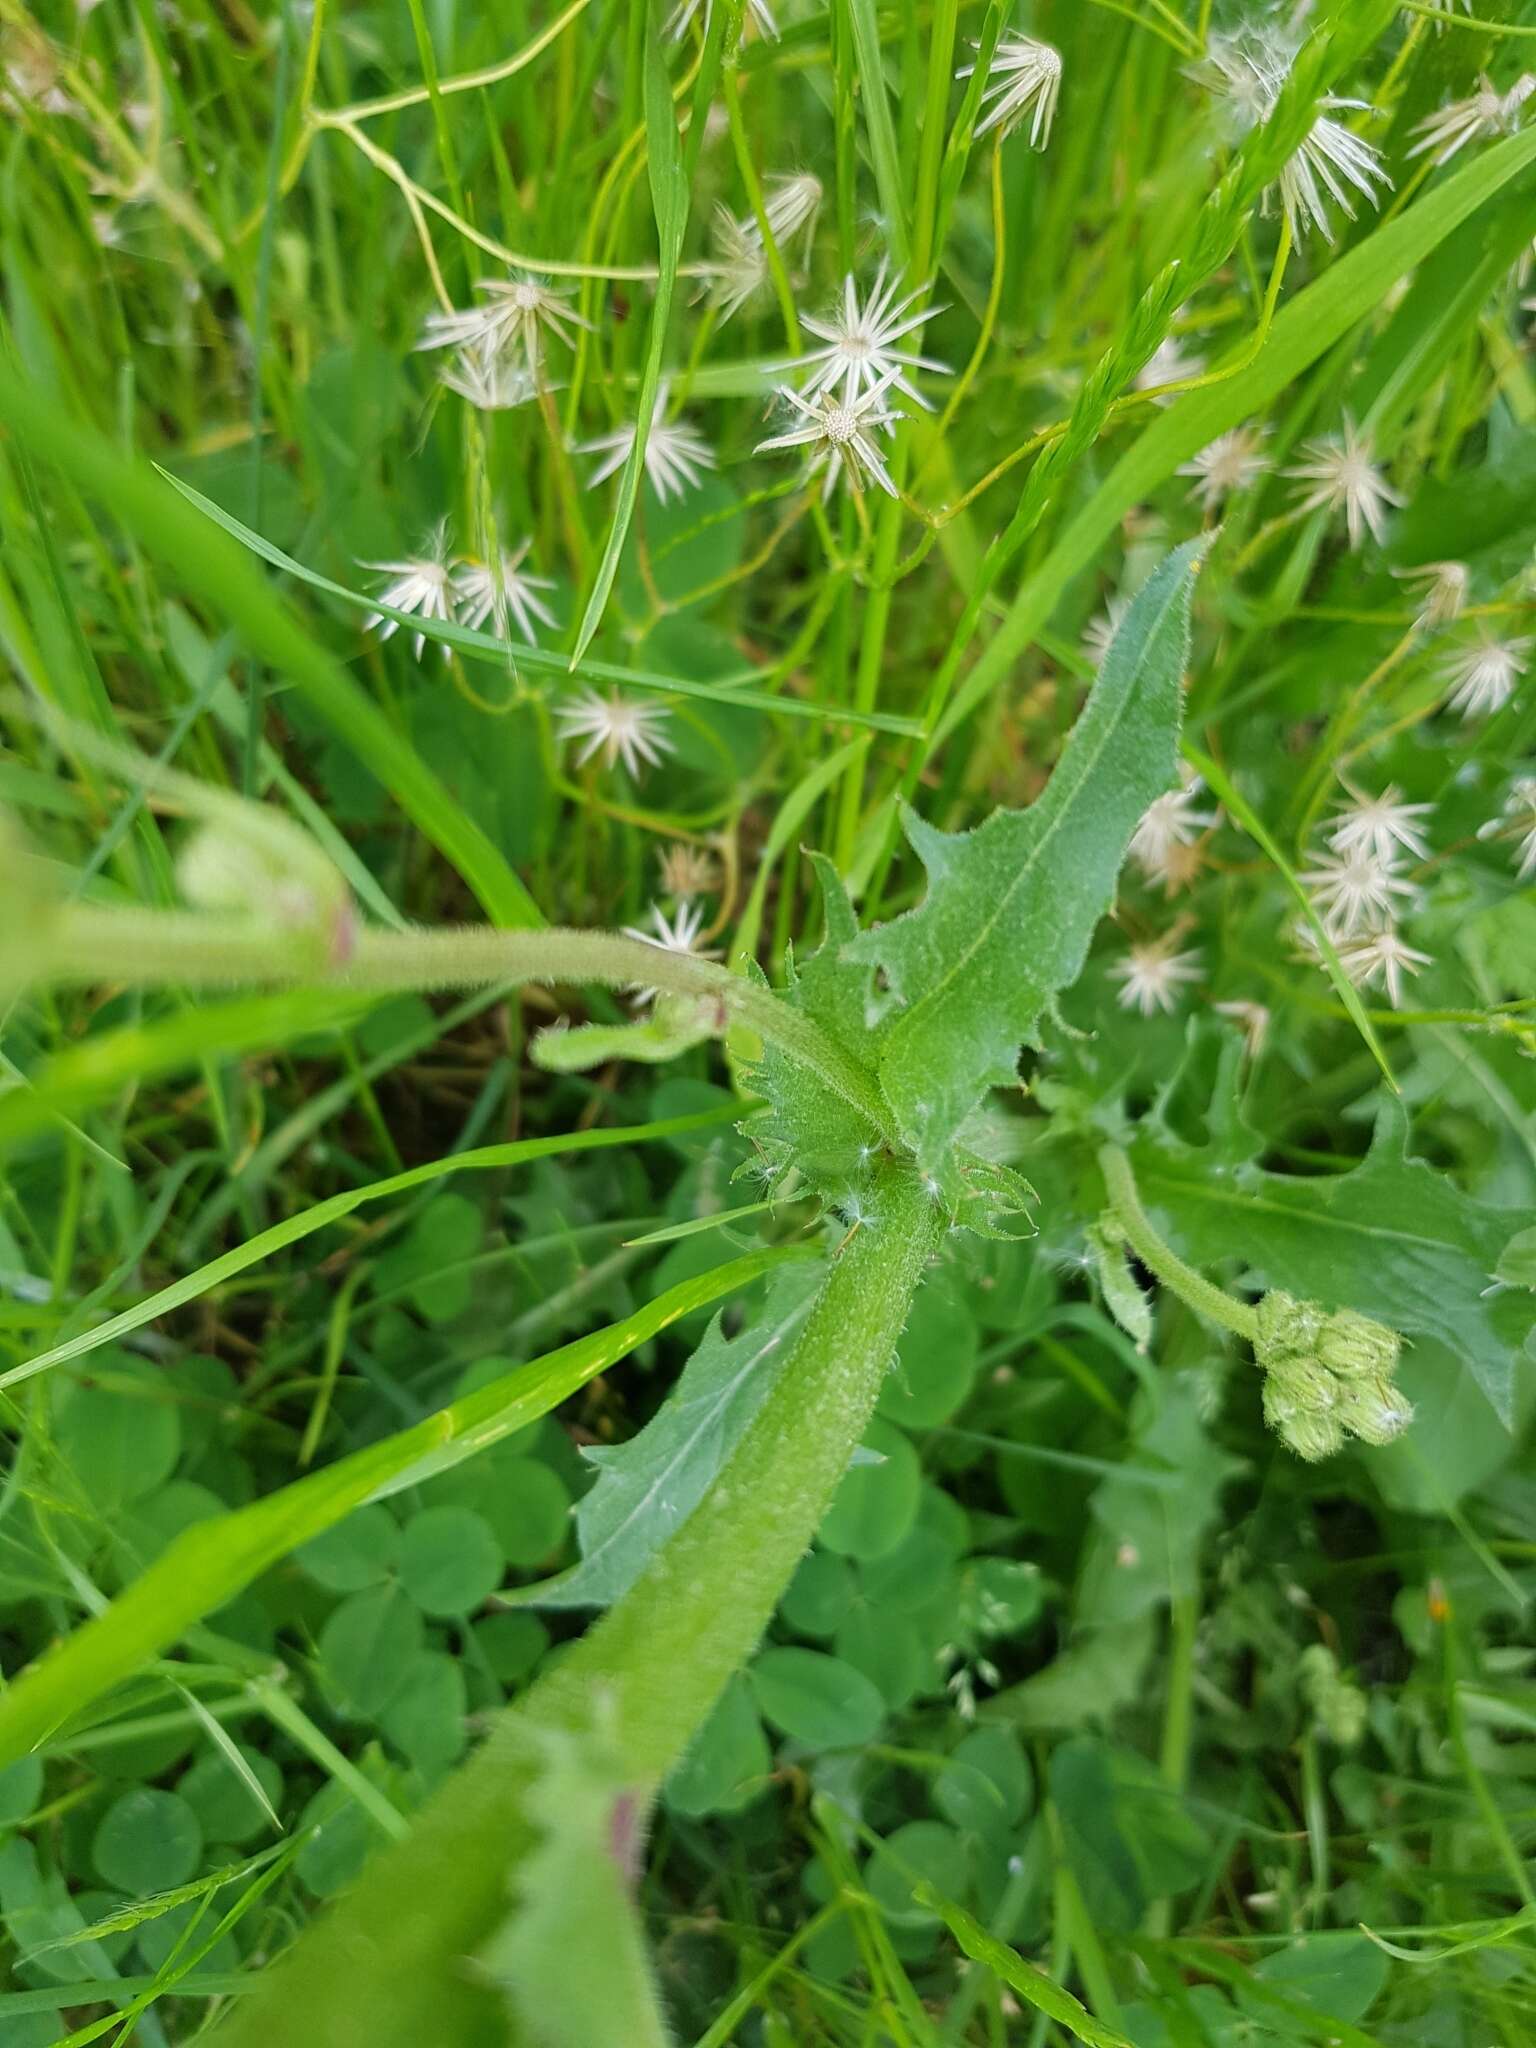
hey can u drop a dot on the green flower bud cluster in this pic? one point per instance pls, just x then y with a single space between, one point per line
1327 1375
1340 1707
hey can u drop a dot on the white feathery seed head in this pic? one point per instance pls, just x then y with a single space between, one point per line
1342 474
1153 976
420 584
839 434
1442 592
1233 462
1482 676
1381 824
1381 956
860 339
505 593
1169 822
676 454
621 729
518 315
1354 890
1486 112
1023 79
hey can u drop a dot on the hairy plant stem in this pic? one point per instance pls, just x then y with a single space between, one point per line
141 948
1201 1294
389 1967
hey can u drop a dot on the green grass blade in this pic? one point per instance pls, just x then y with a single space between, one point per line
1310 325
210 1563
882 135
478 646
669 198
1010 1968
243 1256
166 526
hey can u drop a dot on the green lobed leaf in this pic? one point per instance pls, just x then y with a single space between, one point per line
1392 1238
649 1485
1012 906
807 1125
571 1956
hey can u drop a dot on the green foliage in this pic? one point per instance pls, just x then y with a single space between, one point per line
414 1506
1391 1238
647 1488
1011 906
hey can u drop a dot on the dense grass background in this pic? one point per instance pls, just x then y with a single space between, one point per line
1173 1713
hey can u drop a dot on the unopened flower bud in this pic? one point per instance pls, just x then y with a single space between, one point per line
1288 1329
1312 1436
1299 1386
1373 1409
253 862
1351 1344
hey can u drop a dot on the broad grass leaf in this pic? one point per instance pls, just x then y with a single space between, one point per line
1012 906
1392 1238
646 1488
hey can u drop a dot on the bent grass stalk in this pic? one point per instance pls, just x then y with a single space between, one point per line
137 948
390 1967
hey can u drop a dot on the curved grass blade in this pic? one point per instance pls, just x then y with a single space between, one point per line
211 1562
478 646
1010 1968
308 1221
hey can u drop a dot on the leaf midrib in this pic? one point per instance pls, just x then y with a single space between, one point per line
1025 873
